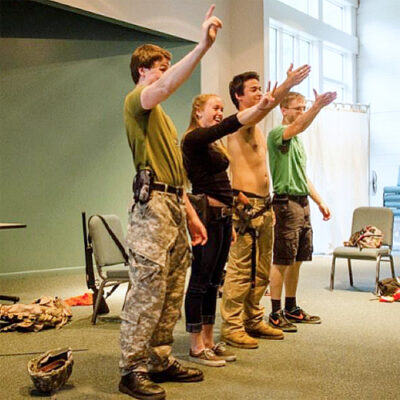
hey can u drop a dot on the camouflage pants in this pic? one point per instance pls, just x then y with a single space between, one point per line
159 256
240 306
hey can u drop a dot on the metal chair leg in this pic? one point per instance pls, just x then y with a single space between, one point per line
378 266
332 273
392 265
350 271
100 293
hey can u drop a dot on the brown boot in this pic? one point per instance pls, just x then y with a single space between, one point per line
264 331
240 339
139 386
177 373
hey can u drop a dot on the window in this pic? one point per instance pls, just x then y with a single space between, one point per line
273 61
333 64
333 14
335 73
331 56
287 48
309 7
304 57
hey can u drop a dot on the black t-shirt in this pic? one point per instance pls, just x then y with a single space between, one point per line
205 165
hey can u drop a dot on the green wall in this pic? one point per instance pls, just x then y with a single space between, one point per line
63 144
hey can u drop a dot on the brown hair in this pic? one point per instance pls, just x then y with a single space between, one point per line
236 86
145 56
198 104
289 97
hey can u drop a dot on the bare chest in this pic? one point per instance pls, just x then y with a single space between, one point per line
248 143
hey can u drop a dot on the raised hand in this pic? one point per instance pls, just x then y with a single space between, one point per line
324 99
210 28
268 97
294 77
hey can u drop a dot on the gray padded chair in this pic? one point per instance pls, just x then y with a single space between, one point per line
107 254
382 218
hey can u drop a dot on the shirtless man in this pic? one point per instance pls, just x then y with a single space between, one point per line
249 262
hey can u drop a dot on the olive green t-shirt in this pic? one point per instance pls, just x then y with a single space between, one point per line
153 140
287 162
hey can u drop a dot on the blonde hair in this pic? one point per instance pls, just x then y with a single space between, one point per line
198 104
289 97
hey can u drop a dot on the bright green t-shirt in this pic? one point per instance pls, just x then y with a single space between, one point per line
153 140
287 162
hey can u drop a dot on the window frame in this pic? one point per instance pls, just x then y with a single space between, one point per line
319 35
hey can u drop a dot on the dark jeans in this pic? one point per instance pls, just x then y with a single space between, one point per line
207 267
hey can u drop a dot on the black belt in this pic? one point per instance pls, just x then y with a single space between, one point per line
281 198
163 187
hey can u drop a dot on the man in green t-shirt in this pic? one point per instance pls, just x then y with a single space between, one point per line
293 231
159 252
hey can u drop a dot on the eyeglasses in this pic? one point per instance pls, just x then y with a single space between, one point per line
300 108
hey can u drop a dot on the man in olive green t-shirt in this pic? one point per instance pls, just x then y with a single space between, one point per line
159 252
291 187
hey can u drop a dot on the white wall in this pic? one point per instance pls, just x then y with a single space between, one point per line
181 18
379 85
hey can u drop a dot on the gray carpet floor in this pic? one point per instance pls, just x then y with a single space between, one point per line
353 354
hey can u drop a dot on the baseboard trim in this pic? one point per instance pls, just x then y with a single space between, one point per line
40 271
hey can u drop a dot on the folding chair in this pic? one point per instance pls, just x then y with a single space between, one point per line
382 218
106 242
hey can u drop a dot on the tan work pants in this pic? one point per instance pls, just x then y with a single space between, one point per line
240 306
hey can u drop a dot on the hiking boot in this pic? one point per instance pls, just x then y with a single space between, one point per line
264 331
221 351
240 339
206 357
298 315
278 320
138 385
177 373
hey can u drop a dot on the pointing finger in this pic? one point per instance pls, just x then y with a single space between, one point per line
209 12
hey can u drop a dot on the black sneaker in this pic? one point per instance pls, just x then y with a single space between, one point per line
139 386
298 315
177 373
278 320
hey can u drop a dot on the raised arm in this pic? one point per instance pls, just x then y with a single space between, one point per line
294 77
254 114
249 116
304 120
175 76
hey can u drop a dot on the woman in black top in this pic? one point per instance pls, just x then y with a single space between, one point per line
206 162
